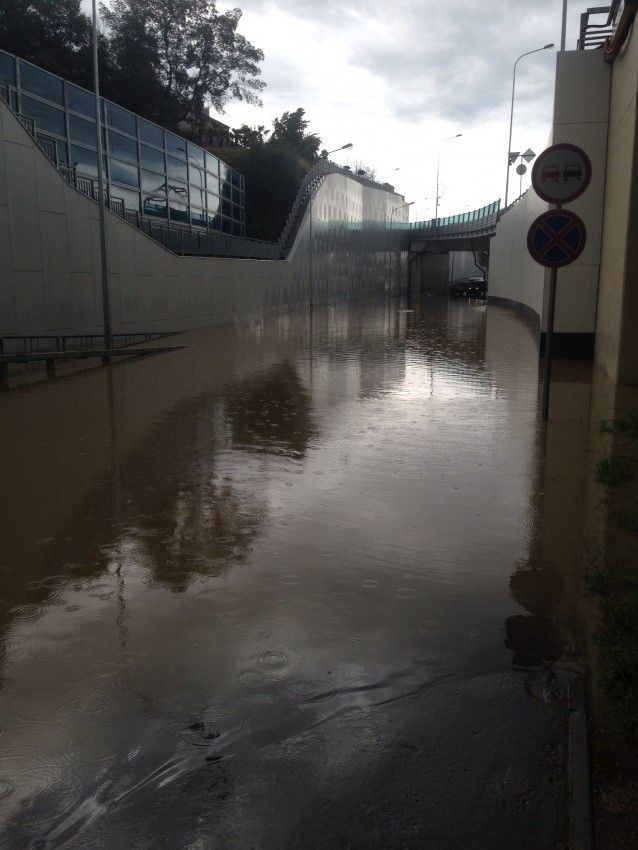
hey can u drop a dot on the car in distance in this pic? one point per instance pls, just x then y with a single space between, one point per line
469 287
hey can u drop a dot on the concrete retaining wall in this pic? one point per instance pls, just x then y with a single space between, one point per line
50 258
581 109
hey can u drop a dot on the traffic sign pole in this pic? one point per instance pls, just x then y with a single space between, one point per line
549 339
556 238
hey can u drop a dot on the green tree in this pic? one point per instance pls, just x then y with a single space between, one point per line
248 137
52 33
196 55
290 130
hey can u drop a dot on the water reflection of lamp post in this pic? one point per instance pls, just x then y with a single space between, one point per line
396 209
438 164
509 141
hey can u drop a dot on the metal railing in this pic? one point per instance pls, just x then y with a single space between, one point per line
44 343
595 35
308 188
479 221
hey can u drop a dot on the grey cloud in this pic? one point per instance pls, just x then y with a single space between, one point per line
440 60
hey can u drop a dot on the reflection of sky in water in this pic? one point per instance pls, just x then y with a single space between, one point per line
283 556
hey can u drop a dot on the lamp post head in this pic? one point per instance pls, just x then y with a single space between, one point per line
349 144
547 46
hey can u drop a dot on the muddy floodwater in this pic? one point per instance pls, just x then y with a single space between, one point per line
285 588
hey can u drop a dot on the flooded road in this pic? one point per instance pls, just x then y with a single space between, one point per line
283 589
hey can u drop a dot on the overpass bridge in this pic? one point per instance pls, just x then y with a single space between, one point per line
468 231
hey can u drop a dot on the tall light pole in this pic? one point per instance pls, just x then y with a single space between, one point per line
325 154
106 303
400 207
509 141
438 164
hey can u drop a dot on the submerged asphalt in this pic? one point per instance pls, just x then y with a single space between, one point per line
287 587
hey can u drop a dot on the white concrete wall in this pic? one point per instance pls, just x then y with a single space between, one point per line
617 321
50 259
581 114
581 108
462 266
513 275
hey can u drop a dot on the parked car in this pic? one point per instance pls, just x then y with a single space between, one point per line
470 287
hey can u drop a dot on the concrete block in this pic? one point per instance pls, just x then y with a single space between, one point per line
22 200
53 238
50 185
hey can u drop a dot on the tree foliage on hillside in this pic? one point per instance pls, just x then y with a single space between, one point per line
273 168
193 53
52 33
165 60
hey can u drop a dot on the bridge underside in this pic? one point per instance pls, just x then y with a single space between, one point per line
445 245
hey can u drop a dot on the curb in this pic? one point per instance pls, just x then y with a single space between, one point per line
578 771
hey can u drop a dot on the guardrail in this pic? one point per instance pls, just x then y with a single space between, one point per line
595 35
43 343
479 221
308 188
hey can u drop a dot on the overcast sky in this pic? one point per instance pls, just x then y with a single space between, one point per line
397 78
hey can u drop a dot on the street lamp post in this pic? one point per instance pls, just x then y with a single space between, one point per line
509 141
106 304
325 154
438 164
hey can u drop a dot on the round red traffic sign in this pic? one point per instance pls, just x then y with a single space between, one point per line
561 173
556 238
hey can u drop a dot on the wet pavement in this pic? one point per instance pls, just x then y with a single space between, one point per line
285 588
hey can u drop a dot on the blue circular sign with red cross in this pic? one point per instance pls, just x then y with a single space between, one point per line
556 238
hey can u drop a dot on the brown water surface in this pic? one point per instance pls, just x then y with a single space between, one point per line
284 589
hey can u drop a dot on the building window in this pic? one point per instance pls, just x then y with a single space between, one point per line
212 202
150 133
120 118
122 172
7 69
198 217
131 199
175 145
152 158
175 169
153 182
82 131
121 146
46 117
196 177
178 212
196 156
155 205
197 197
80 100
84 161
37 81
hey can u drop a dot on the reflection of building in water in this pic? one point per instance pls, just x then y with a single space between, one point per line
271 413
